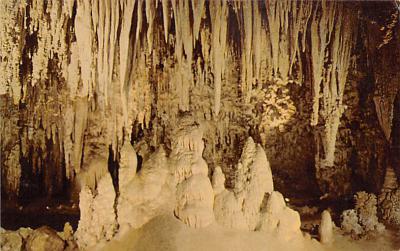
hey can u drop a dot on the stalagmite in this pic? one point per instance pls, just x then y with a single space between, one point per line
145 195
277 217
253 182
12 171
179 90
325 229
194 194
218 181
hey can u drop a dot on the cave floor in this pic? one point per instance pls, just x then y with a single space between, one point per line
39 212
56 212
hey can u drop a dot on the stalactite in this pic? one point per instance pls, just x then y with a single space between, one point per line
277 13
150 13
83 33
166 17
108 65
183 51
124 39
81 111
333 90
247 56
219 32
10 48
258 31
321 30
197 7
286 19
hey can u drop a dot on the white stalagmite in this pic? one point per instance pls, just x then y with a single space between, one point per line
85 231
147 194
98 219
194 194
241 209
218 180
253 181
277 217
325 229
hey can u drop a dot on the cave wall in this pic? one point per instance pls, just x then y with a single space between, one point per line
314 82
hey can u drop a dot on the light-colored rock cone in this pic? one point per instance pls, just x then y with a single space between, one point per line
326 228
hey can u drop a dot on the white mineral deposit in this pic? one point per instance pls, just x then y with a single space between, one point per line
243 125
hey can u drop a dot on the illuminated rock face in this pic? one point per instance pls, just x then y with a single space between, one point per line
241 208
277 217
80 75
194 193
178 184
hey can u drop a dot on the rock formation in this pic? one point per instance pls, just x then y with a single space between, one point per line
92 71
128 107
241 208
389 206
277 217
325 229
363 220
194 194
40 239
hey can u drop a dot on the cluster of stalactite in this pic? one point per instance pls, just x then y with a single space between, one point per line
332 36
85 74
